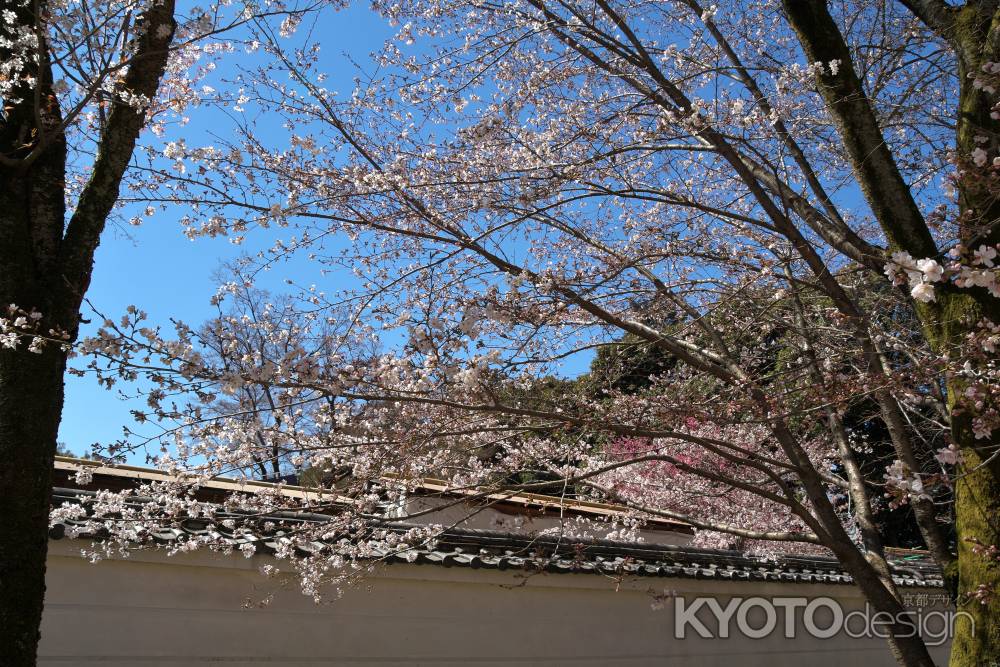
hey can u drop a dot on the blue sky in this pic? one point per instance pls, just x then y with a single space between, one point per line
161 271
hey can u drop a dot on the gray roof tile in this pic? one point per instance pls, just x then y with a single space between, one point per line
505 551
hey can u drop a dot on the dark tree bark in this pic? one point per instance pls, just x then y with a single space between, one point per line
45 266
972 32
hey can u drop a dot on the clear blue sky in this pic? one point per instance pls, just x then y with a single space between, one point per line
156 267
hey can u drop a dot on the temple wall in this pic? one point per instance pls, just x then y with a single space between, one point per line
188 610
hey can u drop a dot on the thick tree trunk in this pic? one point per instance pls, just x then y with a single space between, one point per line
32 216
973 29
31 397
977 489
976 641
32 213
908 648
45 268
909 651
977 511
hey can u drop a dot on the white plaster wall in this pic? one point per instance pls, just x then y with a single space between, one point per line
151 610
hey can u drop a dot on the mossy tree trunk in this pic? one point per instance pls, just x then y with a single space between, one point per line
973 32
977 490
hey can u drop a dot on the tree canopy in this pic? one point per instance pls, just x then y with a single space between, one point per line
775 224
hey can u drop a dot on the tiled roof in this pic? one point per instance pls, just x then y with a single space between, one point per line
507 551
123 476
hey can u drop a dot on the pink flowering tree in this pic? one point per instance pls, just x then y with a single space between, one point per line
690 480
795 204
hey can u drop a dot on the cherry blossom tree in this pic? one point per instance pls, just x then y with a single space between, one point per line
79 81
47 261
796 204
